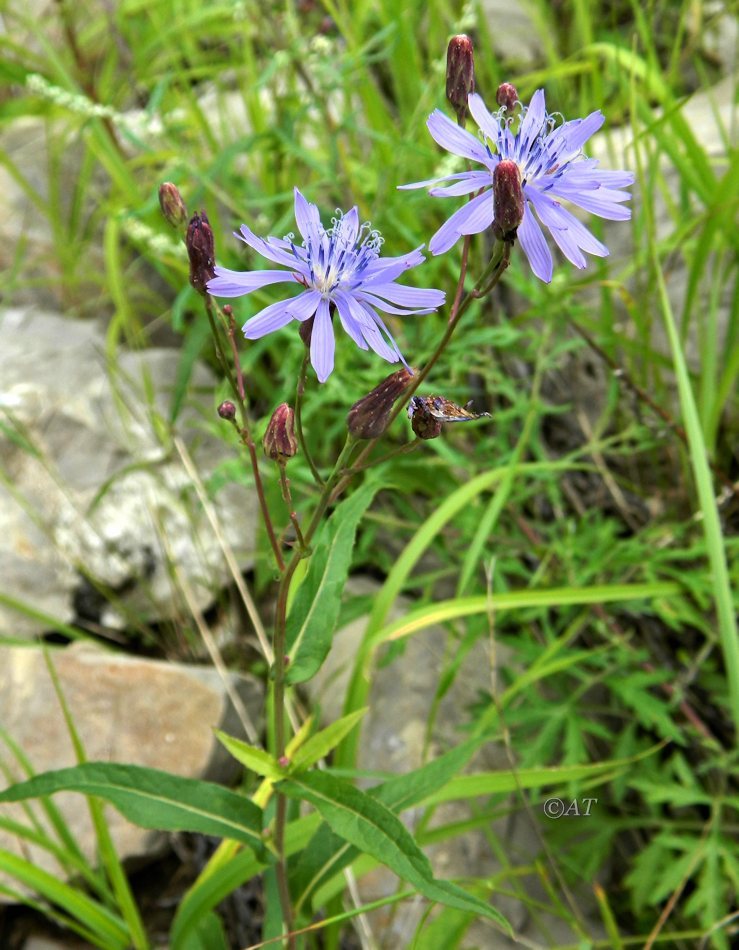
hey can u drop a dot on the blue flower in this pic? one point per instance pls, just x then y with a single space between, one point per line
340 272
552 168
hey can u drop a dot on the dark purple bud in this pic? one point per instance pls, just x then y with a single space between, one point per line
509 202
227 410
507 95
172 205
200 250
368 418
279 441
460 74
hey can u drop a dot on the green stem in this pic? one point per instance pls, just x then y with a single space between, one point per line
288 499
280 666
299 420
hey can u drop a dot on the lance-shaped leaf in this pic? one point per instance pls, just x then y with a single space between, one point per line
153 799
370 826
253 758
327 854
315 610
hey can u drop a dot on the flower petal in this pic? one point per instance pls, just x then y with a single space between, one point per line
531 123
409 296
575 134
273 317
322 343
390 268
234 283
368 323
534 246
471 182
350 325
348 228
454 139
307 218
487 122
451 231
481 214
270 250
304 305
602 202
558 219
435 181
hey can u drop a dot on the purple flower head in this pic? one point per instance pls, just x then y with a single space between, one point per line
339 271
552 168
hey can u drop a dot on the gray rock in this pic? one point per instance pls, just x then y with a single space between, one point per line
514 33
128 710
93 494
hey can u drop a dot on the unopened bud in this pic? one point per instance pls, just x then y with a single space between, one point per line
423 423
227 410
279 441
368 418
172 205
460 73
509 202
200 250
507 95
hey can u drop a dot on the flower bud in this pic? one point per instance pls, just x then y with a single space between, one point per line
460 74
279 442
423 423
172 205
200 250
368 418
509 202
507 95
227 410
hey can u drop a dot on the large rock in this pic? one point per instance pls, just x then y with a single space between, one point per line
128 710
98 515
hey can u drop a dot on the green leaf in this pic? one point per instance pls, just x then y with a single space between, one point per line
153 799
319 745
312 620
327 854
374 829
253 758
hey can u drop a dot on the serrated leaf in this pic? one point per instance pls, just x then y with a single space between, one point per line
251 757
153 799
370 826
319 745
312 620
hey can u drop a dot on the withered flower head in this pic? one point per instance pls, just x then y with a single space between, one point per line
429 413
201 251
509 203
368 418
172 205
460 73
279 442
